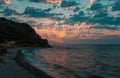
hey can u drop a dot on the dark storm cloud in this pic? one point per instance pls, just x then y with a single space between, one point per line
100 17
37 0
101 14
76 18
9 12
68 3
116 6
34 0
106 20
76 9
47 10
97 6
34 12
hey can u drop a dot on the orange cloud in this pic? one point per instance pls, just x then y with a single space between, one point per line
55 32
55 40
56 2
6 1
60 34
92 1
51 35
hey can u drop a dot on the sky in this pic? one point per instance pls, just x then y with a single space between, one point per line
68 21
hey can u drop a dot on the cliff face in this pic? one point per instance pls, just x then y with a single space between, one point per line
20 33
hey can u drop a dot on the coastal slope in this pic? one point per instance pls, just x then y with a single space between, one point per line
20 34
13 37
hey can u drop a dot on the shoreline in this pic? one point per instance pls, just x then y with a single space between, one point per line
20 60
10 69
14 65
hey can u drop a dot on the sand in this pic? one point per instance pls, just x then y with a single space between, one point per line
10 69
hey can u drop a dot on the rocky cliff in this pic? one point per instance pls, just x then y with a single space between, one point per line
20 34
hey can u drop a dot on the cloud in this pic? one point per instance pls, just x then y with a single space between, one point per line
37 0
97 6
106 20
77 32
68 3
92 1
100 16
80 17
39 13
106 27
116 6
5 1
103 18
8 12
34 12
76 9
61 3
59 32
1 1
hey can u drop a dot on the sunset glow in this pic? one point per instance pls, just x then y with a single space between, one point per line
92 1
68 21
7 1
78 32
60 38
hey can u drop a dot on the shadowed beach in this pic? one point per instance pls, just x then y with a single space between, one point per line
20 59
10 69
13 36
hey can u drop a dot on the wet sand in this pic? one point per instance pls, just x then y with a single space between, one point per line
20 59
11 68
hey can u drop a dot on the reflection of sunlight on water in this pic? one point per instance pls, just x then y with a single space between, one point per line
86 62
68 60
53 57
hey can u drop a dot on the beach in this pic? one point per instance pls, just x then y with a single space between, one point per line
10 69
97 61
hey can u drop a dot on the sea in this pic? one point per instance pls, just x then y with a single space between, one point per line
84 61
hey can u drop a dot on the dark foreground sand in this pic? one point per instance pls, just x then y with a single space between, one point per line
10 69
21 60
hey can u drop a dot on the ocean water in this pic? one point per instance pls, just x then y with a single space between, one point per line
87 61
